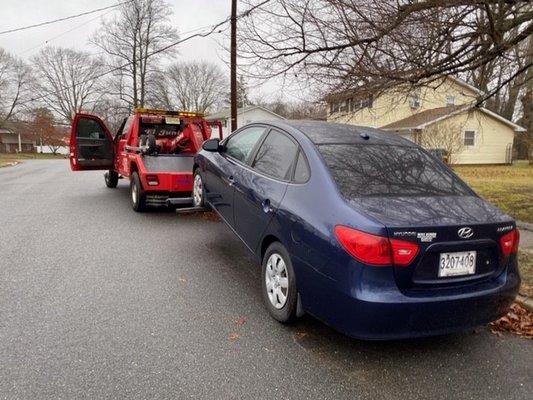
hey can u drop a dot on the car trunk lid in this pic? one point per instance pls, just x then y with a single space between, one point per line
443 225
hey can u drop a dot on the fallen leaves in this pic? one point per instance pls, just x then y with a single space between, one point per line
238 323
518 321
210 216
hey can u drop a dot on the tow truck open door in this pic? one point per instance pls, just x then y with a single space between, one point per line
91 144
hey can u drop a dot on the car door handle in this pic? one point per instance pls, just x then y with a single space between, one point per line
267 207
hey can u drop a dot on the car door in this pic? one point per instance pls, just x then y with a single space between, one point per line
91 144
220 173
259 190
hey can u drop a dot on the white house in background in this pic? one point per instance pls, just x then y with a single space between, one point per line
245 116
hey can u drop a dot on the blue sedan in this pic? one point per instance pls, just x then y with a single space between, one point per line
362 229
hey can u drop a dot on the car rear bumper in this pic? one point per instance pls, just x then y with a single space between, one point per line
386 313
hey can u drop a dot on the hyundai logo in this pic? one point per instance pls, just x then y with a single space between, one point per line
465 232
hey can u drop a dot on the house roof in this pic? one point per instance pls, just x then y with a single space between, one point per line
428 117
465 84
341 95
8 136
225 113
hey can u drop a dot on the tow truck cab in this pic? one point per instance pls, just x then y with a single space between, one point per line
153 148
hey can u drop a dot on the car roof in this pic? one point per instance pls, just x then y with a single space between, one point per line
322 132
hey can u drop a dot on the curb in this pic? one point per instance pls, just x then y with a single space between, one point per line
525 302
11 164
525 225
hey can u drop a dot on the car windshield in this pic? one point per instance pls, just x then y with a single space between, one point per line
386 170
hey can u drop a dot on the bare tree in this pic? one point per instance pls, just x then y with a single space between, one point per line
67 80
193 86
14 80
135 40
449 137
377 44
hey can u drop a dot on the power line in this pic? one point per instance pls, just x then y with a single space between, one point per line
64 18
206 34
64 33
62 89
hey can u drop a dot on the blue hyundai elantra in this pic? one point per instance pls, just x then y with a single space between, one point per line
362 229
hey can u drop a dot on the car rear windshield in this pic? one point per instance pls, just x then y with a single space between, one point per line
385 170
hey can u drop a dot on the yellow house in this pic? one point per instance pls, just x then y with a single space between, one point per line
441 115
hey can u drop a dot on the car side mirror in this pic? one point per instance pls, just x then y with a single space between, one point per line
212 145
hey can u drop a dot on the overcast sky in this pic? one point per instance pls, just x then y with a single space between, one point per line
186 15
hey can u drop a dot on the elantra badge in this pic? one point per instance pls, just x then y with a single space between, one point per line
465 232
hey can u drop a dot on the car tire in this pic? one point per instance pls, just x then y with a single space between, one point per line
111 179
280 294
198 190
138 197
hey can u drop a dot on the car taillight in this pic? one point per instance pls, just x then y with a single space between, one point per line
152 180
509 242
374 249
403 252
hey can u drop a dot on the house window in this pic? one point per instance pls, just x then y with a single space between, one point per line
414 101
470 138
334 107
367 101
450 101
343 106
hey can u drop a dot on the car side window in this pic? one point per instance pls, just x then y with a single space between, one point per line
301 171
90 129
276 156
240 145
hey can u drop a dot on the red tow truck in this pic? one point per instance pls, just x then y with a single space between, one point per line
154 149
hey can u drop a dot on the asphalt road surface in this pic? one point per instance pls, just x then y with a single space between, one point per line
97 301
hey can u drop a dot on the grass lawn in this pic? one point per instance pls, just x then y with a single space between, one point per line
509 187
6 159
525 263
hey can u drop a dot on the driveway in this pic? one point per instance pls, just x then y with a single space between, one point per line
97 301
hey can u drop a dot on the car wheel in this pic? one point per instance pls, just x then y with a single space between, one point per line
111 179
198 192
138 198
279 284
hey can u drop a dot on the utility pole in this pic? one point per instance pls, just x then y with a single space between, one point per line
233 65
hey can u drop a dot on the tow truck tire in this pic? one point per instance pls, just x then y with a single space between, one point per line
111 179
138 197
198 190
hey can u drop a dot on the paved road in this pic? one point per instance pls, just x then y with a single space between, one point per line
97 301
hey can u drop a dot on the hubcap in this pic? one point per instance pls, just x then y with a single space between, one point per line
277 280
197 190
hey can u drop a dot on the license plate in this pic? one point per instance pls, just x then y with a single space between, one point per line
455 264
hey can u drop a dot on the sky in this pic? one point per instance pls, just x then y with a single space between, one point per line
186 15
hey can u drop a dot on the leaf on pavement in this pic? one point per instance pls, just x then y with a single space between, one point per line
234 336
518 321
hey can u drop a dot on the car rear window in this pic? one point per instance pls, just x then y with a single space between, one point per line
385 170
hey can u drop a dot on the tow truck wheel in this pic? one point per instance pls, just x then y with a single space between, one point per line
198 191
138 198
111 179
